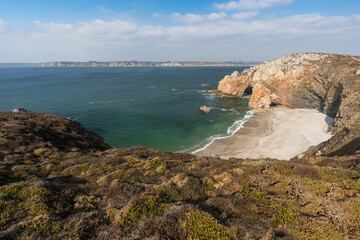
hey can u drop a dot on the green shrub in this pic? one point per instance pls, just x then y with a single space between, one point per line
201 225
259 194
147 205
18 200
282 169
286 215
84 168
157 163
45 226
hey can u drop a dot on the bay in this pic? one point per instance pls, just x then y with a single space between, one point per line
155 107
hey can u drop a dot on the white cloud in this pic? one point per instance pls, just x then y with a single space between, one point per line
244 15
250 4
104 9
195 18
3 24
204 39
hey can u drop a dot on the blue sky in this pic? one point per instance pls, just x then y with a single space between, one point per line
162 30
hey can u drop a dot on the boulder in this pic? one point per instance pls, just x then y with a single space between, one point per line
205 109
357 72
205 85
19 110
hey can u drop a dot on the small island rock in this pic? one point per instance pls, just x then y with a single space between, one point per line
205 85
205 109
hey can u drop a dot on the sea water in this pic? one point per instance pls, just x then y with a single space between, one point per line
155 107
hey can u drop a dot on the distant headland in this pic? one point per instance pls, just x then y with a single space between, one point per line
149 64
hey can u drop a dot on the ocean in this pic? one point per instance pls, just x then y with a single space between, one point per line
155 107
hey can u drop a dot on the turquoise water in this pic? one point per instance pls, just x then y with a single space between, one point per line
152 107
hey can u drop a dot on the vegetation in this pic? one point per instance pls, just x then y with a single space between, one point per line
80 188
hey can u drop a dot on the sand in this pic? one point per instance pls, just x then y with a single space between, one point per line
279 134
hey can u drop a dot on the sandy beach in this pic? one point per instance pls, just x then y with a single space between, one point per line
280 134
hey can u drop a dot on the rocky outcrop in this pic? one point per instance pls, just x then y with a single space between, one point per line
344 143
205 109
28 133
329 83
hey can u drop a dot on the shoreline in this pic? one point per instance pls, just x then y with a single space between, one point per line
280 134
238 124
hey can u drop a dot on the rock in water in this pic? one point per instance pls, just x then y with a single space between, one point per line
205 109
19 110
205 85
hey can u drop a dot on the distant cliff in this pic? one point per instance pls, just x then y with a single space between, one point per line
148 64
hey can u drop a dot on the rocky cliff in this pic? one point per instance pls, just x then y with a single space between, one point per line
327 82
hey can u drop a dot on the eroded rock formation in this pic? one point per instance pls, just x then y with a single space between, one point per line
326 82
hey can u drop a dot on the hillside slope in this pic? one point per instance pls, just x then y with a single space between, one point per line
60 181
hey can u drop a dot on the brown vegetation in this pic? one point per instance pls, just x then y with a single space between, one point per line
60 181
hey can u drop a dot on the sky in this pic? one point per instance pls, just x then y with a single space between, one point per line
175 30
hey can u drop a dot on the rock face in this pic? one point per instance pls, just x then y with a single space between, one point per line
329 83
344 143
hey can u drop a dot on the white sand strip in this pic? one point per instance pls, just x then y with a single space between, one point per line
280 134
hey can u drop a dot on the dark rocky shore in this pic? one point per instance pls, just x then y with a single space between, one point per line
61 181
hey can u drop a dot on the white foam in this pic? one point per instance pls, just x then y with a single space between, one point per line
230 132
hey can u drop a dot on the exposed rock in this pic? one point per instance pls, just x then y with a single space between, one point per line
205 109
19 110
205 85
357 72
325 82
216 92
344 142
275 99
260 98
234 84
